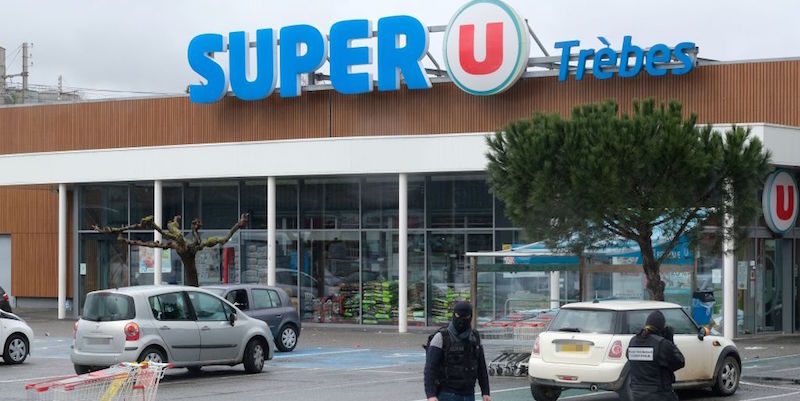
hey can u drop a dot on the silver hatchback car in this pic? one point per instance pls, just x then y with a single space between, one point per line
186 326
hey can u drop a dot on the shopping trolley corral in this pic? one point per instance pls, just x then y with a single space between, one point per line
124 382
516 344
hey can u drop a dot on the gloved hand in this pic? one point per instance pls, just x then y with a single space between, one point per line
669 333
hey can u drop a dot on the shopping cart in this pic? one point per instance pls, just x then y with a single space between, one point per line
124 382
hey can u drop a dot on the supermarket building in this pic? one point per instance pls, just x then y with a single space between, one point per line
337 185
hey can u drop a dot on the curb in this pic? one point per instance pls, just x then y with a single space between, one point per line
785 380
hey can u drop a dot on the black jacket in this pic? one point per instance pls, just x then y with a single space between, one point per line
653 361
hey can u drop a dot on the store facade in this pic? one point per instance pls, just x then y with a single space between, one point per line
362 203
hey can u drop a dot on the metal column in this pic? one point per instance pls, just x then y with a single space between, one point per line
271 231
402 288
62 251
158 218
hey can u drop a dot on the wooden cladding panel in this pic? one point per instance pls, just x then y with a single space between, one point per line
161 121
30 215
748 92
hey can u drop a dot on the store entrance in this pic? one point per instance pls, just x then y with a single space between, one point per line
103 264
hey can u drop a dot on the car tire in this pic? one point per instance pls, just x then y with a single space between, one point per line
287 338
625 393
727 381
83 369
16 349
152 354
545 393
255 353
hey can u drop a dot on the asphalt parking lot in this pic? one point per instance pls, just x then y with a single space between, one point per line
339 364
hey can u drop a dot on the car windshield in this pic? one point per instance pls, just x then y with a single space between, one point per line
106 307
584 321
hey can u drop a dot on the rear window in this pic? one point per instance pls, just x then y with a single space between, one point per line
107 307
584 321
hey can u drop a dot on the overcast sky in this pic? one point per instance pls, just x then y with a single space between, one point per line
141 45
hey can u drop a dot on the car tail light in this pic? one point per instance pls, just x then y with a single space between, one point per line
131 331
75 330
616 350
5 296
536 347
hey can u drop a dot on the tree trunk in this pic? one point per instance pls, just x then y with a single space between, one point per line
189 271
652 270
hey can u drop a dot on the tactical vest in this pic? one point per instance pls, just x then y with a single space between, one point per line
459 369
646 372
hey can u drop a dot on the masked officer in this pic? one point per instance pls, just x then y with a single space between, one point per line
455 360
654 358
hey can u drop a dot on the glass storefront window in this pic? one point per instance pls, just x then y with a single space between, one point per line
380 202
254 203
103 263
215 203
103 205
329 203
141 201
213 263
286 205
709 270
330 280
448 275
143 259
459 201
172 203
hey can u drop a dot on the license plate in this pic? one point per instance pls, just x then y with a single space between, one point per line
97 341
574 348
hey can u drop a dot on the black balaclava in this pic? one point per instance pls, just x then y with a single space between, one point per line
462 316
656 321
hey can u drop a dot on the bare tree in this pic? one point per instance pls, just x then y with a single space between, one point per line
174 239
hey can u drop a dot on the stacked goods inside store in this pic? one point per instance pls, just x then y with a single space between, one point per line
347 305
416 303
442 303
380 302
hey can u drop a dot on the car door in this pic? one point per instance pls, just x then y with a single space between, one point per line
219 341
176 326
697 353
264 308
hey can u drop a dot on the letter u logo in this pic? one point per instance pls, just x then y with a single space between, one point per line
785 209
494 49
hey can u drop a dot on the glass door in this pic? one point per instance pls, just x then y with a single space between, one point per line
769 287
103 264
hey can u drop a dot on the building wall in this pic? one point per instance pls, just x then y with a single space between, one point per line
724 93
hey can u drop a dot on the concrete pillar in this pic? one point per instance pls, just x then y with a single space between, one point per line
555 292
158 218
62 251
402 288
728 281
271 231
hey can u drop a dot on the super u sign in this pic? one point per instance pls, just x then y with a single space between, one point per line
780 201
486 47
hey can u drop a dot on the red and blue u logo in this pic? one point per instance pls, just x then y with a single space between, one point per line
486 47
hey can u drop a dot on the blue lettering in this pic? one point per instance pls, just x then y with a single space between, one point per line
604 57
682 54
625 53
266 64
293 63
394 60
563 69
657 54
216 80
342 56
583 55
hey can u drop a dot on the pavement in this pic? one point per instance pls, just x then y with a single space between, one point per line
767 360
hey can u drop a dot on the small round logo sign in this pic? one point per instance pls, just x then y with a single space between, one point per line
780 201
486 47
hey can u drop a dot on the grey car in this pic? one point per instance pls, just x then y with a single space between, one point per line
186 326
270 304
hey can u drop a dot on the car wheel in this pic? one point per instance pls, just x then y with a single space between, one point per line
254 355
545 393
83 369
16 349
152 354
624 392
287 338
727 380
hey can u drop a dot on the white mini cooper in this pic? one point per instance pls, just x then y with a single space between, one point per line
584 347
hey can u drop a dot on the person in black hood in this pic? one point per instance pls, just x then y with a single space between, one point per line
654 358
455 360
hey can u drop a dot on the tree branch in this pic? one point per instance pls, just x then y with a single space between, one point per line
214 241
618 229
677 235
145 224
196 226
148 244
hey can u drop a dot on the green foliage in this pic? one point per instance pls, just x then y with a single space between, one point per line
600 176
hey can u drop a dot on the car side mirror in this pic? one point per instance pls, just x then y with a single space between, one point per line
702 333
232 318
